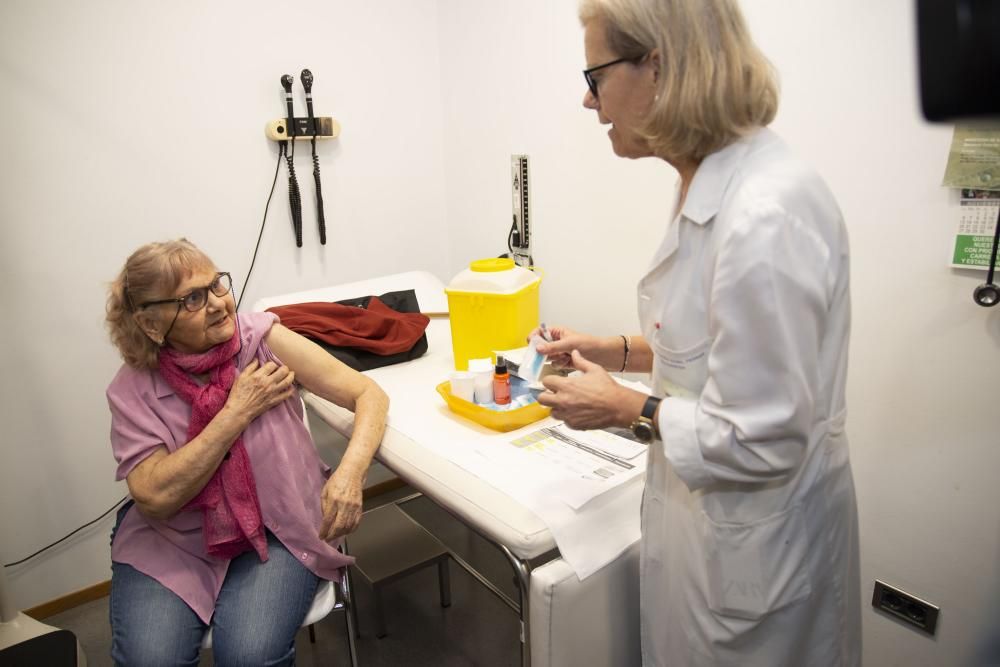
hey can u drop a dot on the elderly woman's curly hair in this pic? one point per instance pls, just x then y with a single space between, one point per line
152 272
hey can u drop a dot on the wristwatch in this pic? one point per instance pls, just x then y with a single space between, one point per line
643 428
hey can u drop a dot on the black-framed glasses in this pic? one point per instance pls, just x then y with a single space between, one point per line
588 73
197 298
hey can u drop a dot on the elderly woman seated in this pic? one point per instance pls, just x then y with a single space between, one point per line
235 517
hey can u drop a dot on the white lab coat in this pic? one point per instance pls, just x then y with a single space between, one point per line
749 524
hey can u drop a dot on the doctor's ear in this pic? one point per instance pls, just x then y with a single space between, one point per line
654 61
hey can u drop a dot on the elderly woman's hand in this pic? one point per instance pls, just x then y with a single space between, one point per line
341 502
259 388
590 399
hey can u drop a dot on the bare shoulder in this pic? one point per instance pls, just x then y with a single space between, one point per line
293 349
279 335
315 368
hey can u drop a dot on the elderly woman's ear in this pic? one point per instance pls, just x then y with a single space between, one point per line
150 326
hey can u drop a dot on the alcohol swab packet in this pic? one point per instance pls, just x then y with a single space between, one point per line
532 362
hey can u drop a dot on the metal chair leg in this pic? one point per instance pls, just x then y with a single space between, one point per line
351 614
444 582
350 617
353 610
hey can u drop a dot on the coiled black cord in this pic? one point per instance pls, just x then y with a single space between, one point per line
294 196
320 216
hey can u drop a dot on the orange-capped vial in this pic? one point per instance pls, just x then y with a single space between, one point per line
501 382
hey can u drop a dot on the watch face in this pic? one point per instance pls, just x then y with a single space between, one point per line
643 431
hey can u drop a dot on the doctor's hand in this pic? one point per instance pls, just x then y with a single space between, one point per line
341 503
590 399
606 351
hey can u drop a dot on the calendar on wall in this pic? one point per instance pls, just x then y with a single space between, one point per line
977 219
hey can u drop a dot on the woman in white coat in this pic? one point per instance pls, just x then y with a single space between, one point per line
749 525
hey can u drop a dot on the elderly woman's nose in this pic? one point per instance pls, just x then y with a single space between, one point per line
589 101
216 302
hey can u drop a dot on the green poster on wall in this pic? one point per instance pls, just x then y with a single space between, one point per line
976 223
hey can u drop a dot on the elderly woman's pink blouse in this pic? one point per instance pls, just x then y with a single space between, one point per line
146 415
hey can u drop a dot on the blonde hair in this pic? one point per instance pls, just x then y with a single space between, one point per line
152 271
714 84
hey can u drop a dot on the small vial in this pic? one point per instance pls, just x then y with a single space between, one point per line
501 382
482 371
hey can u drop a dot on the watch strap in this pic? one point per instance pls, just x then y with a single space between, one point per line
649 407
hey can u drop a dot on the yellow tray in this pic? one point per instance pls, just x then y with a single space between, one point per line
498 420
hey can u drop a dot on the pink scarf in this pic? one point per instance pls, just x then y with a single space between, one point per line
232 520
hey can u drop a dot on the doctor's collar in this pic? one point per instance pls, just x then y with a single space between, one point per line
704 197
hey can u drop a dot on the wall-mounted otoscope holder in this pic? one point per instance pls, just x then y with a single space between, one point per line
326 128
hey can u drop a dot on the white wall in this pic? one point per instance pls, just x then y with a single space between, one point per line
924 358
130 122
147 124
513 85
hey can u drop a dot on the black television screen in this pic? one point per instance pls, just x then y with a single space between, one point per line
959 51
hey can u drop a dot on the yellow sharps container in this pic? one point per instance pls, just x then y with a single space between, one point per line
493 305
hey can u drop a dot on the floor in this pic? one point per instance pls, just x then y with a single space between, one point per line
477 629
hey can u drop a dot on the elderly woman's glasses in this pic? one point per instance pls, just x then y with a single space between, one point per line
588 74
196 299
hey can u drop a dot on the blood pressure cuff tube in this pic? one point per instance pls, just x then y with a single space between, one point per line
365 332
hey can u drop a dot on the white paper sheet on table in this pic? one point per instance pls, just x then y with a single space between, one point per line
590 536
583 464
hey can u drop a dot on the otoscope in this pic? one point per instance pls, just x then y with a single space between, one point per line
307 81
294 196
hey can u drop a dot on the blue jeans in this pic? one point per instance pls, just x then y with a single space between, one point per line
257 614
